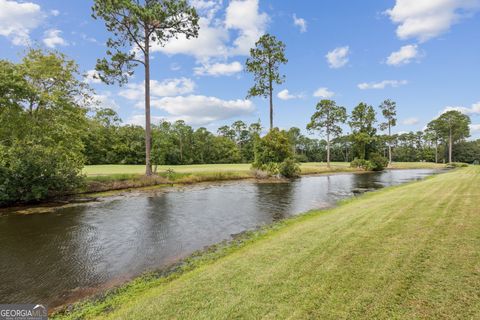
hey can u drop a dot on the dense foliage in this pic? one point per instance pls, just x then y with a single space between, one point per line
274 154
42 125
109 141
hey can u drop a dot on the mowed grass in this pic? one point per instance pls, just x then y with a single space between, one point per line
406 252
310 167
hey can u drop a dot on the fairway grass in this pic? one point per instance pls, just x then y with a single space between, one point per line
309 167
405 252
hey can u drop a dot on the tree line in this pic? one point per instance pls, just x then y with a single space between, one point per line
109 141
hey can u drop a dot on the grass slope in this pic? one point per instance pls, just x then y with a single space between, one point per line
407 252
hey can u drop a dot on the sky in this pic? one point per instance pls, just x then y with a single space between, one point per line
423 54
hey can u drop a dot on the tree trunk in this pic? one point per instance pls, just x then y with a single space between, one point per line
328 149
148 133
436 151
389 145
271 106
450 147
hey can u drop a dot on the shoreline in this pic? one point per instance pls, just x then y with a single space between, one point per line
119 187
106 298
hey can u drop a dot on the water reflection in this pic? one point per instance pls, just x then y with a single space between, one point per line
46 258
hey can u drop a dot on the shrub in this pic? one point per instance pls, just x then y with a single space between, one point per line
289 168
273 154
377 162
274 147
30 172
359 163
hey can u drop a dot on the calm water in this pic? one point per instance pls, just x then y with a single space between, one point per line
55 257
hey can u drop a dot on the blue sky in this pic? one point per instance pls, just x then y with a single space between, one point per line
424 54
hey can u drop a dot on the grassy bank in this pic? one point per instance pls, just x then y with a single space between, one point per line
407 252
102 178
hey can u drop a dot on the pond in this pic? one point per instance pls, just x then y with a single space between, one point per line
54 258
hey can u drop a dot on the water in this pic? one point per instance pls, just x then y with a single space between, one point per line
57 257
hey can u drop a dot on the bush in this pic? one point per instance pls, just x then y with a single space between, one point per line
273 148
359 163
30 172
273 154
377 162
289 168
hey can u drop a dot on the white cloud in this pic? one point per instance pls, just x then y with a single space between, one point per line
219 69
91 76
323 93
427 19
242 20
244 17
17 19
52 38
201 110
300 22
410 121
169 87
210 43
473 110
55 13
286 95
405 55
338 57
475 127
382 85
105 100
87 38
205 5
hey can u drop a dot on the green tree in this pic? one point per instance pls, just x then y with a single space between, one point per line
432 134
264 63
135 26
294 135
227 132
453 127
273 153
389 112
362 123
326 120
43 109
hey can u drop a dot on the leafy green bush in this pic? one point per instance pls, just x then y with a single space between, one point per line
273 147
359 163
273 154
30 172
289 168
377 162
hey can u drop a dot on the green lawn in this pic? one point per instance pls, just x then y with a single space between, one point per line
407 252
311 167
